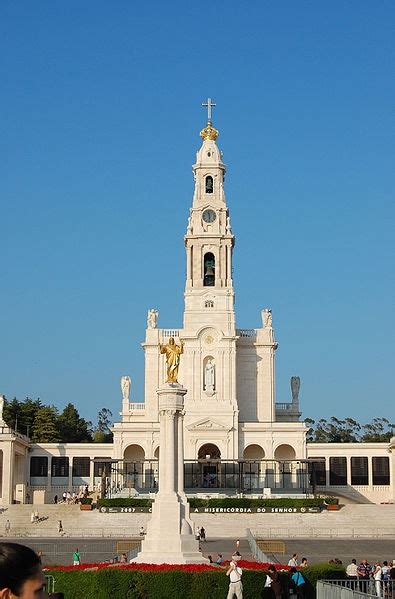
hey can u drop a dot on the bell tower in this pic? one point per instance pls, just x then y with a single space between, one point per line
209 241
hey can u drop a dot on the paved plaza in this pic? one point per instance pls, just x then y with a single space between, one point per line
59 551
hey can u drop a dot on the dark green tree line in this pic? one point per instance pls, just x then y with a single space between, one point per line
46 424
334 430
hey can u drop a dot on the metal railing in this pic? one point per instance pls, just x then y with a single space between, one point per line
355 588
255 550
49 583
246 332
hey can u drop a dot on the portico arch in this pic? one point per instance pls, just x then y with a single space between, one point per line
284 452
211 450
134 453
253 452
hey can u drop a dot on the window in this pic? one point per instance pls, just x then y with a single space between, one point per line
102 467
209 184
337 471
359 471
317 472
381 470
60 467
209 304
38 466
209 270
81 467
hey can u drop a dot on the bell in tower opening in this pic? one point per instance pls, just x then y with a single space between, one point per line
209 270
209 184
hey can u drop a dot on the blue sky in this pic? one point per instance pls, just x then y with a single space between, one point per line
101 110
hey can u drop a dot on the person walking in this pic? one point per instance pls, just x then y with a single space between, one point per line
60 527
76 558
293 562
7 527
202 533
235 573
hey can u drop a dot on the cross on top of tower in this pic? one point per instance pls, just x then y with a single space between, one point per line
209 105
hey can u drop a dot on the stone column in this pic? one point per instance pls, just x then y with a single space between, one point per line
170 537
180 452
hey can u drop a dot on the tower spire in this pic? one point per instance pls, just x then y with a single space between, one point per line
209 105
209 132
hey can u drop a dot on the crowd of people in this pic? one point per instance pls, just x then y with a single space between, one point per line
72 497
378 579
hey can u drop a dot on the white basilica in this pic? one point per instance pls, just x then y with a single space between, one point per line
230 409
237 439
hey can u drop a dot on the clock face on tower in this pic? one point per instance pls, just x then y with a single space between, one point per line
209 216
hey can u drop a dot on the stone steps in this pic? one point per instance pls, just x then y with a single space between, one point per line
352 521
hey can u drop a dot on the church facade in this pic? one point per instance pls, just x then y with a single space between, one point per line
228 372
237 438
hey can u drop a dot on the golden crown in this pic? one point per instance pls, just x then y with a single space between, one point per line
209 132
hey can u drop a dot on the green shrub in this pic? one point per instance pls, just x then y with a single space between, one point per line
124 502
142 584
86 500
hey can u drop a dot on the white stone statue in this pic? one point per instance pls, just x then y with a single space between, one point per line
125 386
2 398
228 227
209 376
152 319
295 386
266 318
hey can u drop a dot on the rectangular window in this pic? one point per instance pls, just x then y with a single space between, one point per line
381 470
338 471
359 471
317 472
60 467
81 467
38 466
101 467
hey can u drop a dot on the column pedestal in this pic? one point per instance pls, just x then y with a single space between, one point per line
170 538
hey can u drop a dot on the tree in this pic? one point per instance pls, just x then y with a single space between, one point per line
102 432
375 431
46 426
73 428
348 430
20 415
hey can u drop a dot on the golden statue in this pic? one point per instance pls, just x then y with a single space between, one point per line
173 353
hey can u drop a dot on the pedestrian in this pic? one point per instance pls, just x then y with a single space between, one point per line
237 544
299 583
202 534
76 558
304 562
220 559
55 499
352 573
377 576
32 517
364 571
210 559
60 527
7 527
294 560
273 587
20 572
123 559
235 573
